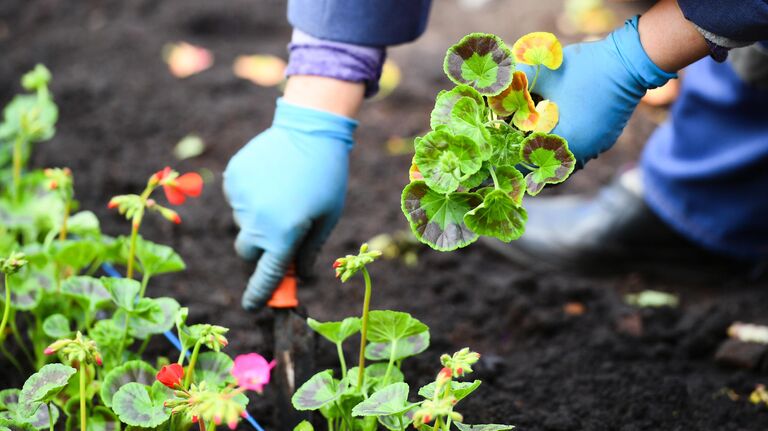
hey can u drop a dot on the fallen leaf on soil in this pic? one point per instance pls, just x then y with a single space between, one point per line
264 70
736 353
398 145
390 79
574 308
188 147
185 59
652 298
749 333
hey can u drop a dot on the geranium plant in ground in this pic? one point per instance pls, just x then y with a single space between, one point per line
81 337
489 145
374 394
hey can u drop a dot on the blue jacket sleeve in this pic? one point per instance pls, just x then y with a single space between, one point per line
742 20
361 22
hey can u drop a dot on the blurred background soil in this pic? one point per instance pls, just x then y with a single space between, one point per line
610 368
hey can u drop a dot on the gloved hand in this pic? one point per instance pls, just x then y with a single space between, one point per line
287 187
597 88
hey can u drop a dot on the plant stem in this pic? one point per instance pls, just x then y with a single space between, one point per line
144 282
364 329
19 340
6 309
329 423
123 340
132 248
400 419
83 416
144 345
495 180
17 149
192 363
535 77
393 350
50 417
343 362
201 422
10 358
67 208
448 424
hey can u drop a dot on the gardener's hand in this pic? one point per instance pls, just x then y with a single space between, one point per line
598 87
287 187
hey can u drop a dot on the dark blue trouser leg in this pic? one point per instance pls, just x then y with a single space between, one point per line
706 169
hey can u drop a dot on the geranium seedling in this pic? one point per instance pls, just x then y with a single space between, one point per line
466 177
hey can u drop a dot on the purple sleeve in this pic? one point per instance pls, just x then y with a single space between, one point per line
309 55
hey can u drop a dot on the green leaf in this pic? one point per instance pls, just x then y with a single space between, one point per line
134 406
89 292
108 337
304 426
32 415
483 427
388 326
9 399
445 160
407 347
374 376
393 422
214 369
506 143
550 155
43 386
389 400
446 100
477 178
460 390
26 295
32 117
57 326
318 391
15 425
77 254
512 182
123 291
157 259
482 61
336 332
132 371
467 118
438 219
498 216
84 224
151 316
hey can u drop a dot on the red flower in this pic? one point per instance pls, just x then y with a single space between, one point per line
178 187
171 375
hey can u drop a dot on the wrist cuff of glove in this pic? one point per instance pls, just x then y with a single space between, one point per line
308 120
635 59
347 62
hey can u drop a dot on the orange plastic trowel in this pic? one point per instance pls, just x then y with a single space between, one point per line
294 350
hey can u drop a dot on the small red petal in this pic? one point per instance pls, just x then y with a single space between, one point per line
232 425
191 184
176 219
194 419
174 195
48 351
336 264
112 204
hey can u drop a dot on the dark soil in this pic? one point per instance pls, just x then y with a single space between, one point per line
121 114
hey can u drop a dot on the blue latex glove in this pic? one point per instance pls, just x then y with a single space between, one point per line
287 187
597 88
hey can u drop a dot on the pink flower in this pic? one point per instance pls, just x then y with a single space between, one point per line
252 371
